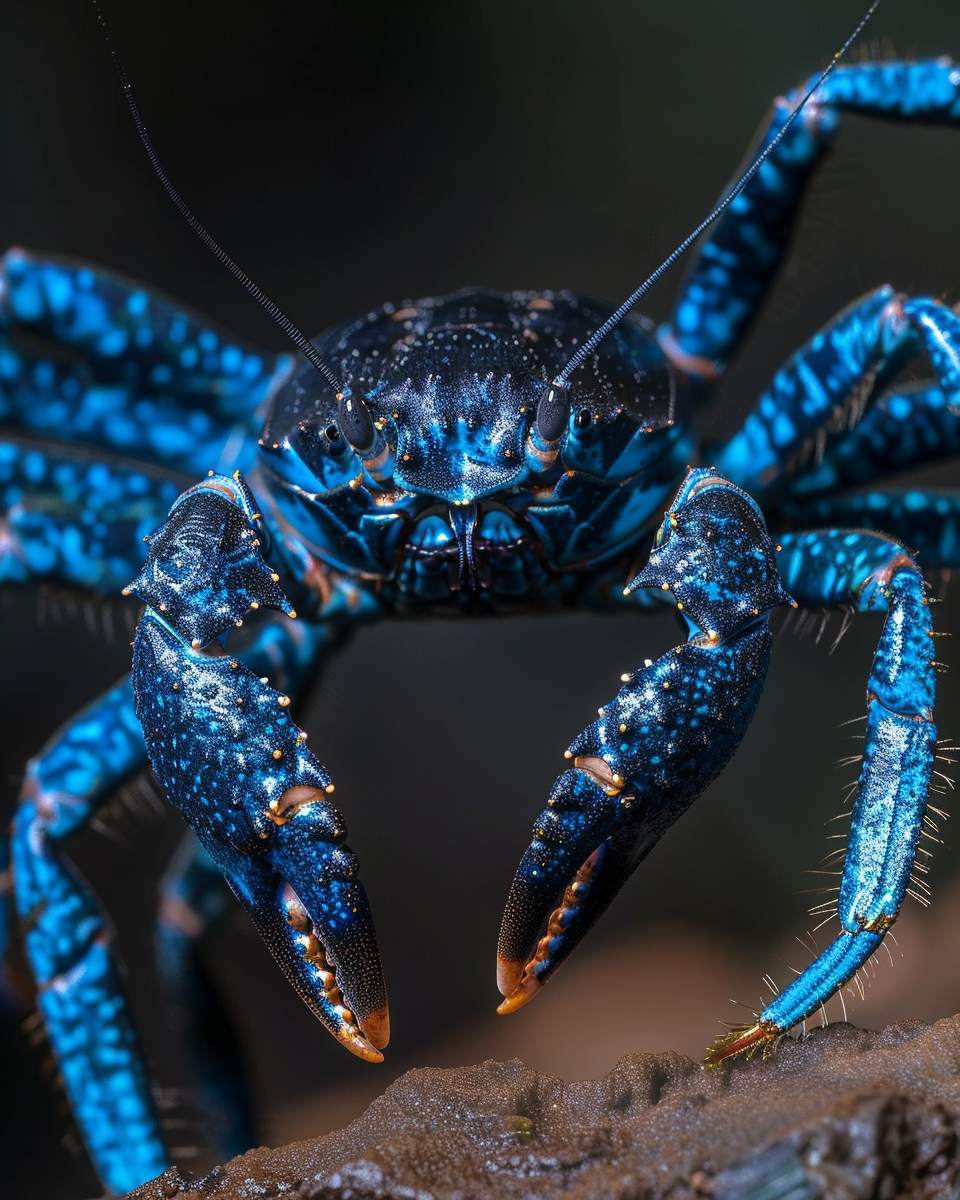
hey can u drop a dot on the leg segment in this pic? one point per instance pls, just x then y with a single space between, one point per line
69 517
902 430
928 522
125 370
728 279
80 987
827 569
670 730
829 380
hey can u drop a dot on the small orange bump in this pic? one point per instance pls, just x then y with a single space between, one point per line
162 607
125 592
679 606
568 754
195 644
234 665
664 587
275 577
625 678
254 604
278 754
666 686
283 701
623 728
292 614
330 788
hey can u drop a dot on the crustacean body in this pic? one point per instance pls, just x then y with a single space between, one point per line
448 473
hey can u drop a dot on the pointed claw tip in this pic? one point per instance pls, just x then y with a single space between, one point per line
376 1028
519 998
357 1044
517 984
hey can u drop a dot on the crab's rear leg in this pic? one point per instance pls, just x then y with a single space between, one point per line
80 991
830 568
230 759
672 727
737 261
105 362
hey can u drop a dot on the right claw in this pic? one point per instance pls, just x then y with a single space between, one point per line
585 847
668 732
229 757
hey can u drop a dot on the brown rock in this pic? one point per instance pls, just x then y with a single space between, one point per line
843 1114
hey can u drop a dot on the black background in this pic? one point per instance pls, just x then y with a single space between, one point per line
347 153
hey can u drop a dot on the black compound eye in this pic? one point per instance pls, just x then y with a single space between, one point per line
583 418
553 413
356 424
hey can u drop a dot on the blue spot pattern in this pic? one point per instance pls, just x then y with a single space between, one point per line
469 486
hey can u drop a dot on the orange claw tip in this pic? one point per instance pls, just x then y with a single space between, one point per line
509 974
357 1044
376 1028
742 1039
525 991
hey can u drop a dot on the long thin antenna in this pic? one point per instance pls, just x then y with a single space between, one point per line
588 347
281 318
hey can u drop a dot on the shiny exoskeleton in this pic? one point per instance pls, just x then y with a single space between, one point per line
450 473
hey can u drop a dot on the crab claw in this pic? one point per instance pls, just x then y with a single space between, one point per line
228 756
585 846
667 733
307 904
233 762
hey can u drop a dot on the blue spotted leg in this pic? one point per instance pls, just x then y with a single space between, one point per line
80 991
99 360
670 730
825 387
736 263
871 573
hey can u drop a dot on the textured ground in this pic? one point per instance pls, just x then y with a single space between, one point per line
844 1114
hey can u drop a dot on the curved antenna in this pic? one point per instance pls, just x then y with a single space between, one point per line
561 380
281 318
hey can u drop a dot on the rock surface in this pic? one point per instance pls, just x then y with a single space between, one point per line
842 1114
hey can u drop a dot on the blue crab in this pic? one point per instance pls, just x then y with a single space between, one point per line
462 541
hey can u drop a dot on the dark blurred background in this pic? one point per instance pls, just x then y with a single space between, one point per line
349 153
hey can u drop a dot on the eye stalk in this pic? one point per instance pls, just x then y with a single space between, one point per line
356 424
549 427
365 436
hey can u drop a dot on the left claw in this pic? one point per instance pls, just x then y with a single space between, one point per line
232 761
669 731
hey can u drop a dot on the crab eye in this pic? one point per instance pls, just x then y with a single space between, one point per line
583 418
553 412
356 424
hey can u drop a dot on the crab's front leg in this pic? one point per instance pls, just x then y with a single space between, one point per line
671 728
232 761
871 573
